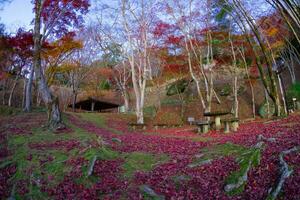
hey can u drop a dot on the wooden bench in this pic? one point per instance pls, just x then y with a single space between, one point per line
135 126
234 122
217 115
203 126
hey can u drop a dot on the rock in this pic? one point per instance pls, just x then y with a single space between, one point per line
197 164
116 140
181 178
199 155
148 191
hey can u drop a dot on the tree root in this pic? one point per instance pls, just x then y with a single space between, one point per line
263 138
91 168
252 158
285 171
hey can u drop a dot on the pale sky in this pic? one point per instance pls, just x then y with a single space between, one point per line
17 14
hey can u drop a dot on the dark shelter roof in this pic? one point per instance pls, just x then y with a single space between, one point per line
99 105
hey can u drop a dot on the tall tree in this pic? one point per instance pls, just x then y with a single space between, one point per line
53 18
290 11
137 19
21 57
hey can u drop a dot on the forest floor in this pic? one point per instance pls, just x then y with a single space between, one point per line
98 157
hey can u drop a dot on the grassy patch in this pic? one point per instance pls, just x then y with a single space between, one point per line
193 138
48 164
98 120
102 153
138 161
94 118
220 150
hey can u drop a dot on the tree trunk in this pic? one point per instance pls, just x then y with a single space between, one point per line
236 102
4 92
271 87
282 93
38 99
126 101
250 83
74 101
28 95
24 92
267 103
12 91
54 114
140 116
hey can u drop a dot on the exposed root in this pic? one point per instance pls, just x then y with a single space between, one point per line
263 138
285 171
252 158
91 168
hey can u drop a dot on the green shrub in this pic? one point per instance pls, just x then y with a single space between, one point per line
177 88
263 109
241 90
293 92
226 90
150 111
104 85
171 102
7 111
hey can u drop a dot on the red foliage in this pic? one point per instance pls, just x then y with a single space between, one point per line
175 40
203 182
67 145
161 29
207 181
60 15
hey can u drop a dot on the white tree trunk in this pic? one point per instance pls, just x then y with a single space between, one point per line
12 91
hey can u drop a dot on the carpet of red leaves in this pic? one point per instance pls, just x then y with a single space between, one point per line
203 182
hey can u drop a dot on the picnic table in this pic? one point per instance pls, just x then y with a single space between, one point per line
203 126
217 115
234 122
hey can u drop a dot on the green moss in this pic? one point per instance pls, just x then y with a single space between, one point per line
226 90
150 111
293 92
177 88
57 168
246 158
95 118
98 120
138 161
9 111
221 150
171 102
102 153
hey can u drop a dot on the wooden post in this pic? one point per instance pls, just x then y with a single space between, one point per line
93 106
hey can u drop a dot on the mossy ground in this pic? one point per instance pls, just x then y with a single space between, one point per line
245 157
35 164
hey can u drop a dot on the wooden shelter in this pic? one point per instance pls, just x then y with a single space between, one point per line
94 104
